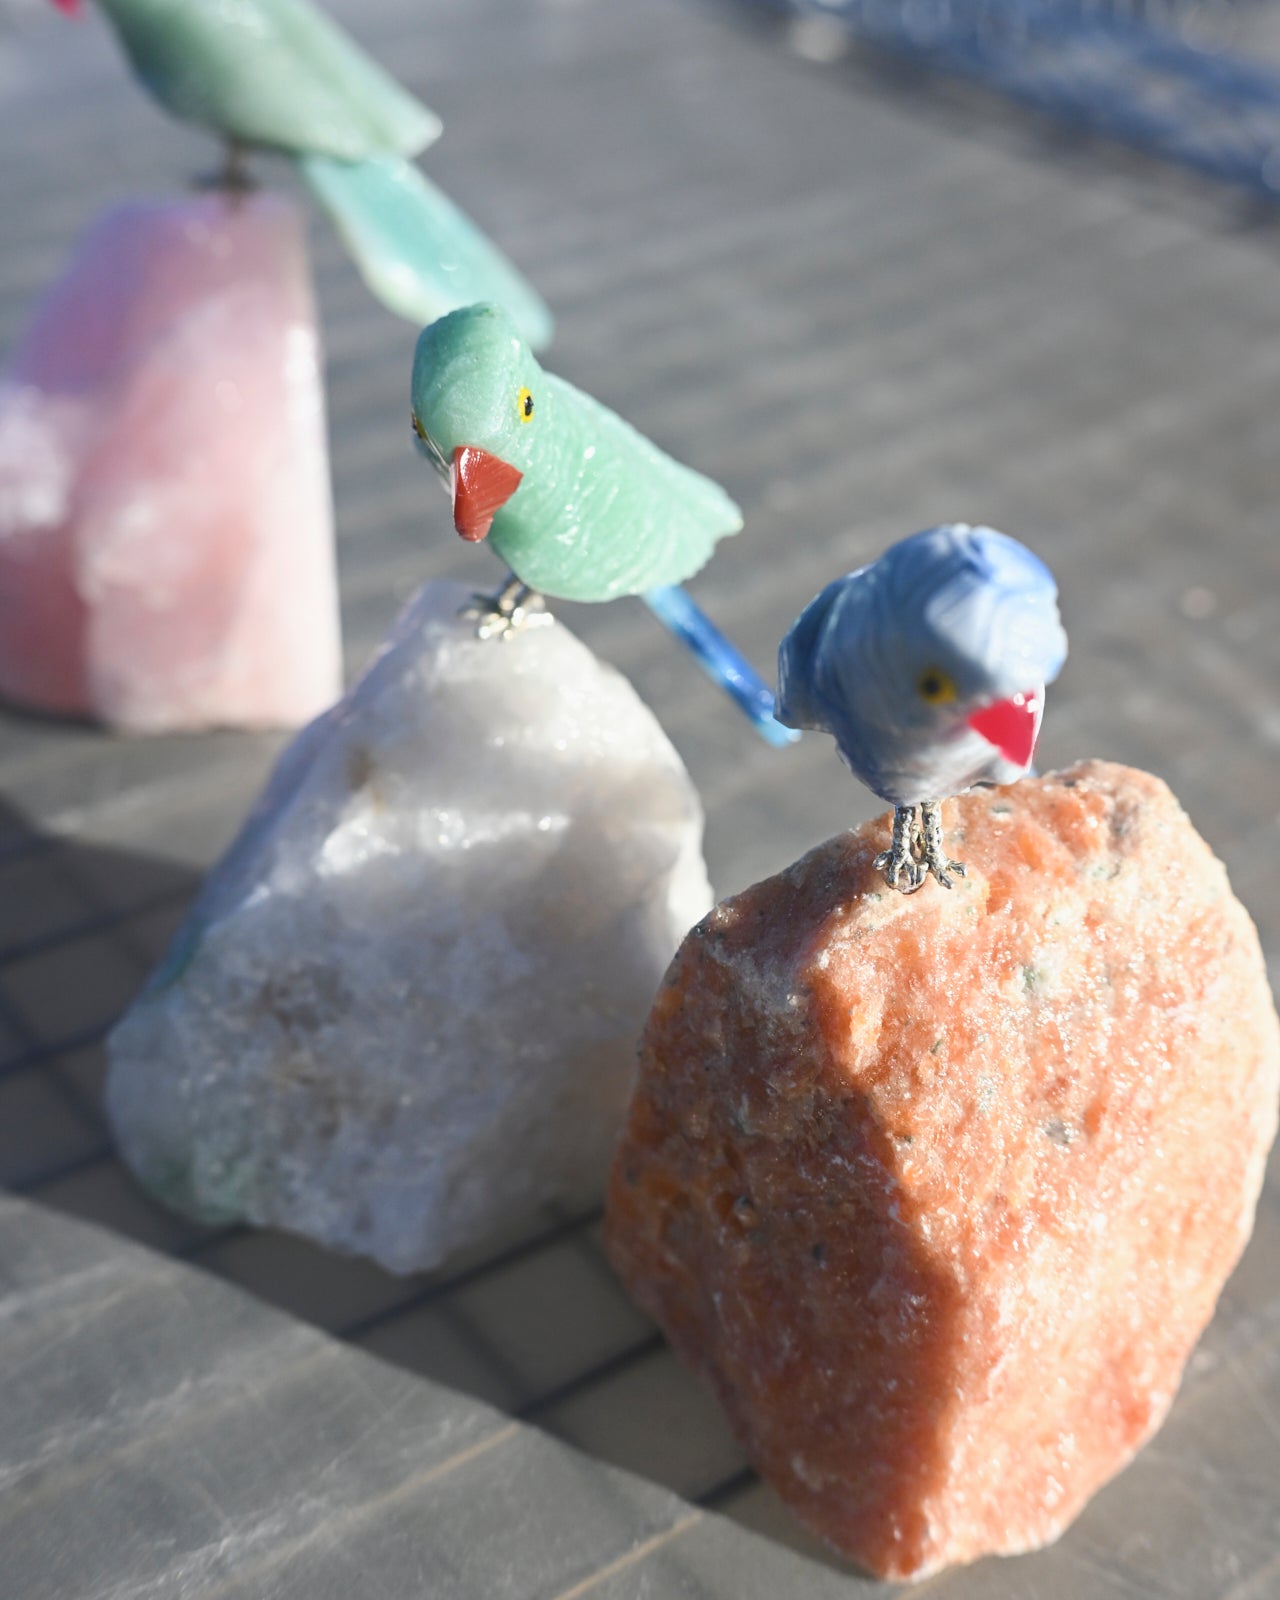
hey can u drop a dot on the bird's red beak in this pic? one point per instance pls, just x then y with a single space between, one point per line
480 483
70 7
1011 726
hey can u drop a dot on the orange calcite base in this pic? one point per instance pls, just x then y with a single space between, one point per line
939 1191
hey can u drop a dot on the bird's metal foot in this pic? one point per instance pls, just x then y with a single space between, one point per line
929 851
898 863
515 607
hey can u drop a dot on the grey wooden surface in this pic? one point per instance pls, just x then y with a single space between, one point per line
866 305
164 1434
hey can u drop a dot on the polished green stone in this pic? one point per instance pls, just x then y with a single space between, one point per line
270 72
418 252
600 511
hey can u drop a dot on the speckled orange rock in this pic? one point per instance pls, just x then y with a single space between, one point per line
940 1190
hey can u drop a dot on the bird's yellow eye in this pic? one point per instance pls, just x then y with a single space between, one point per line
524 406
935 687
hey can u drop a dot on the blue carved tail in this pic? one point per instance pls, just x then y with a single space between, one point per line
719 659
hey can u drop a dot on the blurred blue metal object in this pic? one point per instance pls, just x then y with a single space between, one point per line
721 660
1108 74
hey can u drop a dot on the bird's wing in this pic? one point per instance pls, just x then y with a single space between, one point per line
626 518
818 651
275 73
799 703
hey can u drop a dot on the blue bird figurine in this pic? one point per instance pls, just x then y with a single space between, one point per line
928 667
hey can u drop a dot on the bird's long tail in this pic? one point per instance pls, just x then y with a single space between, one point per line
415 249
722 662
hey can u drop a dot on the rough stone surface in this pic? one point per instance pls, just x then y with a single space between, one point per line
166 539
939 1191
404 1009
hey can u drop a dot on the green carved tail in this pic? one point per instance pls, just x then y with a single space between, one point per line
418 253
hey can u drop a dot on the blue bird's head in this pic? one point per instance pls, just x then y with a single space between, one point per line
929 665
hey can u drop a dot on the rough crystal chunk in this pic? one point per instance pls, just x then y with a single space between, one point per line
166 540
939 1191
403 1012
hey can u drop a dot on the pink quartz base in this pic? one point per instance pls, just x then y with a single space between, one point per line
166 528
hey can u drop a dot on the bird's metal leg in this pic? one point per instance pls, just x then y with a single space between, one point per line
929 850
515 606
899 862
235 175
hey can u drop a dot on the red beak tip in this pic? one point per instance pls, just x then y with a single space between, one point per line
482 483
1010 725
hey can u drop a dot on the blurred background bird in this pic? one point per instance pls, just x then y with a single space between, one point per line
278 75
929 668
576 502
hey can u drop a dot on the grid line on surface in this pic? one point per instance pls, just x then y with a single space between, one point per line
401 1304
864 311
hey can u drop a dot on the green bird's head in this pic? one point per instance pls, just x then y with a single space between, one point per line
476 410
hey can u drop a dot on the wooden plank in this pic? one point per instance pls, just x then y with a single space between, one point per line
866 308
163 1434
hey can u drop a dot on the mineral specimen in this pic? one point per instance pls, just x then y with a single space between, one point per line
940 1191
166 542
403 1012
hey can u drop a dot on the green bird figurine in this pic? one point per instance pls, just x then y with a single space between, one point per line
575 501
278 75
